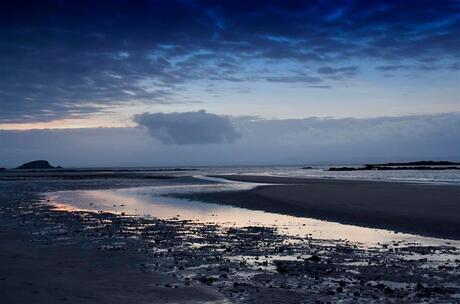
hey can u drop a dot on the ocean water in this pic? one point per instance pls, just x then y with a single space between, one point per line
417 176
412 176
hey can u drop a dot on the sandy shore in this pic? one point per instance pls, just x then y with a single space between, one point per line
50 273
55 256
431 210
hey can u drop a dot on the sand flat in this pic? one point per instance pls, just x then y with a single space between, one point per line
432 210
42 273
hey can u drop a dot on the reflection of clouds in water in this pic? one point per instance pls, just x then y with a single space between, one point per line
222 185
148 201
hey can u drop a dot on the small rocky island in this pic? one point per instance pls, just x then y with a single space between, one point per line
36 164
418 165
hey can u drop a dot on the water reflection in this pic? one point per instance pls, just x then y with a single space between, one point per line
150 201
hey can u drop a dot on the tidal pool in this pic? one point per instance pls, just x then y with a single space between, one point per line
154 201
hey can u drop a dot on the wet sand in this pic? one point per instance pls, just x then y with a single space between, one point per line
67 273
54 256
430 210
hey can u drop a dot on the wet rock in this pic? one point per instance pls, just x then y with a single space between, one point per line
314 258
206 280
426 292
240 287
342 283
288 267
380 286
388 290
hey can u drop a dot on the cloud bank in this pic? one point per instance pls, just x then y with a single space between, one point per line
188 128
262 141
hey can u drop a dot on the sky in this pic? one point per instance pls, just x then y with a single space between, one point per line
228 82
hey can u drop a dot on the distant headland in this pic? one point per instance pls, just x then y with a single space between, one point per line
418 165
37 164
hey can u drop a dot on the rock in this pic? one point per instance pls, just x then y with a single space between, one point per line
207 280
342 169
421 165
314 258
380 286
426 292
240 287
307 167
36 164
388 290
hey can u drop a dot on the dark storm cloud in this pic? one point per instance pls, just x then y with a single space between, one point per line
72 58
188 128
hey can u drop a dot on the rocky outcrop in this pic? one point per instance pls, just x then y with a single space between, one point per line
420 165
36 164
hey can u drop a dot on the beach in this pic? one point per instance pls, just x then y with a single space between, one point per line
70 273
83 255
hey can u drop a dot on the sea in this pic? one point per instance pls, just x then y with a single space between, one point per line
410 176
